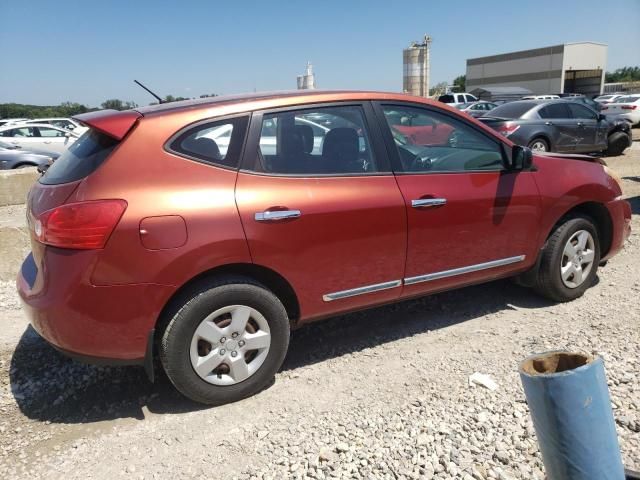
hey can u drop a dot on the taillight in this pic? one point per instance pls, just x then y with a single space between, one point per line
507 129
604 107
83 225
629 107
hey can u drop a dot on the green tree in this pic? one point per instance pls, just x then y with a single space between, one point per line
438 89
459 83
624 74
116 104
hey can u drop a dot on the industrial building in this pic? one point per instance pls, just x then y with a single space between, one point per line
569 68
415 65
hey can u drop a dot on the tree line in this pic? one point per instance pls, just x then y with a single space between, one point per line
68 109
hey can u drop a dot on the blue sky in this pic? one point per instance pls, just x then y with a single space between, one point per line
88 51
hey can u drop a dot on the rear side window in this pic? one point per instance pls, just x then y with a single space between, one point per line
555 110
218 143
446 99
82 158
510 111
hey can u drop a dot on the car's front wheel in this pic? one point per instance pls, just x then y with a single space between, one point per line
226 341
569 260
616 144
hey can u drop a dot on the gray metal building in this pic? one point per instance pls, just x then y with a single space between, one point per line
569 68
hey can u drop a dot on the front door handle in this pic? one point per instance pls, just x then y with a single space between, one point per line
275 215
580 124
428 202
548 123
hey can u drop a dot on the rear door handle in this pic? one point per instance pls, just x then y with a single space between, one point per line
275 215
580 124
428 202
548 123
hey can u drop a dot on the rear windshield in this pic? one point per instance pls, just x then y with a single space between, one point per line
511 110
82 158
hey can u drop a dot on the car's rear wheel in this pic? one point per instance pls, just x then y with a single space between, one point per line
225 342
617 142
539 145
569 260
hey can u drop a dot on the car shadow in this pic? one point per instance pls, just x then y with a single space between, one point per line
48 386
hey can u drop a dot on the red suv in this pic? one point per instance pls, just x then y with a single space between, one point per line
201 232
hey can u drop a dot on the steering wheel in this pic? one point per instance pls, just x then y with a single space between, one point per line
421 163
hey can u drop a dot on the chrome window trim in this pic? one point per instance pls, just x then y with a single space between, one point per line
462 270
329 297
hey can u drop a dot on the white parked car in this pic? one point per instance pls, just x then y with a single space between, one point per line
626 107
7 121
608 98
540 97
457 98
38 136
66 123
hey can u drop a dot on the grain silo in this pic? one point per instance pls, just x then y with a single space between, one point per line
415 63
308 80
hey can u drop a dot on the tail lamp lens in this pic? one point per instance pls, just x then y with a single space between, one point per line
84 225
629 107
507 130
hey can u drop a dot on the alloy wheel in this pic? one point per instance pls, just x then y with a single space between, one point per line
230 345
577 259
538 146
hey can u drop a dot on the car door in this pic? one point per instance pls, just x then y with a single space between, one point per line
24 137
469 219
593 132
53 139
329 219
561 126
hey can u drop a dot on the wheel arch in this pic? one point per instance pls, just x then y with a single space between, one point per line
601 217
603 223
271 279
24 164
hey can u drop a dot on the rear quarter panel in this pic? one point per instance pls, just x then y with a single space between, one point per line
157 183
566 183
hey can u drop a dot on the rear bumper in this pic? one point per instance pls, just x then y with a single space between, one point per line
97 324
620 212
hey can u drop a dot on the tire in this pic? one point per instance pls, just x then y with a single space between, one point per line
617 143
182 350
543 145
549 281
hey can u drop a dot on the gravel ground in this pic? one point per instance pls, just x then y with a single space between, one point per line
376 394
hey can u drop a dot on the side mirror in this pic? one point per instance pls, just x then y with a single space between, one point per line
601 117
521 158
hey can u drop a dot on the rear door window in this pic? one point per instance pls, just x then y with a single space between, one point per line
315 141
82 158
216 142
555 110
446 99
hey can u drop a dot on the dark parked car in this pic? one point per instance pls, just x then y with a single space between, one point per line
558 126
585 101
151 240
12 156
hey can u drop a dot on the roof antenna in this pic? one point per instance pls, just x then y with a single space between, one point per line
156 96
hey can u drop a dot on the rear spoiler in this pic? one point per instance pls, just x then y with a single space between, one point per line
575 156
113 123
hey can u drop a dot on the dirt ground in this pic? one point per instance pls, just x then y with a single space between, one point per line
376 394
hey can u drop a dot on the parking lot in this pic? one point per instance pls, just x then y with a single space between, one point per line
382 393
